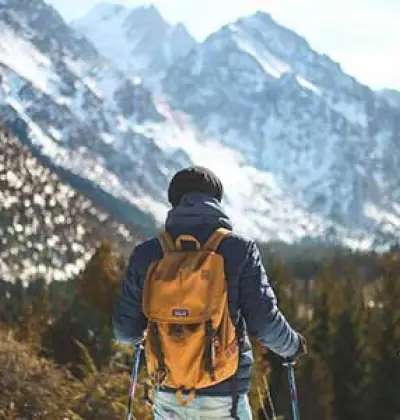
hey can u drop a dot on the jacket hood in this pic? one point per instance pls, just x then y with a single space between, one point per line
196 209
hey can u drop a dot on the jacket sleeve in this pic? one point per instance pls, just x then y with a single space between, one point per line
258 305
129 321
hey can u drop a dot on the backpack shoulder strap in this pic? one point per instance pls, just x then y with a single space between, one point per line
166 242
216 238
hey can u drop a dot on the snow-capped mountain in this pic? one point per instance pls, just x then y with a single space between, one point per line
138 41
46 228
328 140
291 158
79 110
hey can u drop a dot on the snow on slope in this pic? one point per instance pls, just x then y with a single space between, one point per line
328 140
256 201
91 118
249 191
26 61
392 96
139 41
88 101
47 229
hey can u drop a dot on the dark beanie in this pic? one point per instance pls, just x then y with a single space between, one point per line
194 179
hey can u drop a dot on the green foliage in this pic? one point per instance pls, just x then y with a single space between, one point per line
351 371
348 360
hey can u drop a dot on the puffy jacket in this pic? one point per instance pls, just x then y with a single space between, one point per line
251 297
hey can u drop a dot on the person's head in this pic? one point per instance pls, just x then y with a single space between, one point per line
194 179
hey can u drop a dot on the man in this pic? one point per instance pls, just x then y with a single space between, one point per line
195 195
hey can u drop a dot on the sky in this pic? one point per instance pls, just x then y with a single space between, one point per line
362 35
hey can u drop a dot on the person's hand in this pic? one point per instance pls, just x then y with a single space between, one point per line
301 351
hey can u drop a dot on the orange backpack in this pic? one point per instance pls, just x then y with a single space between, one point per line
191 340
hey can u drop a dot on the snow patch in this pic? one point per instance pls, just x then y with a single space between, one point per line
24 59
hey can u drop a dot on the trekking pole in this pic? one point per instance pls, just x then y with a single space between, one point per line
293 391
134 379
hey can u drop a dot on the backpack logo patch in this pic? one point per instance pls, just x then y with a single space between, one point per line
180 313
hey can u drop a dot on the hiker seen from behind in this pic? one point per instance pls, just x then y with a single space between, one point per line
197 292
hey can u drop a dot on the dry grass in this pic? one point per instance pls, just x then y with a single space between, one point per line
31 387
35 388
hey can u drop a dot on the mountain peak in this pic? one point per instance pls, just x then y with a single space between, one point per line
41 24
181 37
262 23
180 28
147 43
146 16
105 10
263 16
102 12
277 49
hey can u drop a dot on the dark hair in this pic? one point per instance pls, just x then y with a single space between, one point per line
194 179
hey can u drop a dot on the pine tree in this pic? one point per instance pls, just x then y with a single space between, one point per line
100 282
314 388
348 360
315 380
322 319
386 371
78 326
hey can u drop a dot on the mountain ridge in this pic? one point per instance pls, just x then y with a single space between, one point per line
246 91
